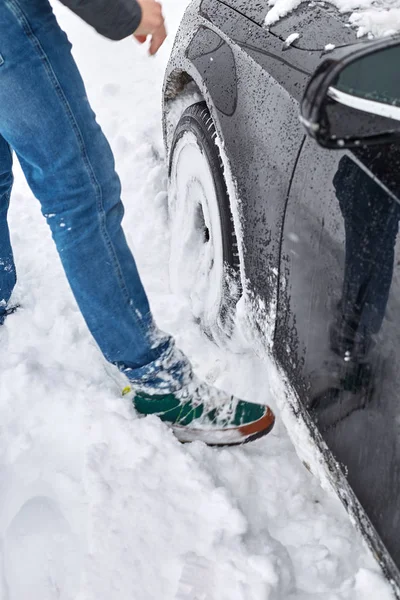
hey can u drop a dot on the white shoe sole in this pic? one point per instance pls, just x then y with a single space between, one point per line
231 436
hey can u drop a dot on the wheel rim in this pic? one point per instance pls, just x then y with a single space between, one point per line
196 259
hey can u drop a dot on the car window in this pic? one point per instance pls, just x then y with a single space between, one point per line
371 77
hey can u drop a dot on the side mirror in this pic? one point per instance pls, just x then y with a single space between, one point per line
353 98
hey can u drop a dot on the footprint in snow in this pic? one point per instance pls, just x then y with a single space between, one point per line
40 554
111 89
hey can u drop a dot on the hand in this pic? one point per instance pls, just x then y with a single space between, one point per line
152 24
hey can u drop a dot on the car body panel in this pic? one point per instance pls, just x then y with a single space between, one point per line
291 69
294 230
255 10
317 24
340 245
260 172
219 56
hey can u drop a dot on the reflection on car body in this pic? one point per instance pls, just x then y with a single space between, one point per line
371 221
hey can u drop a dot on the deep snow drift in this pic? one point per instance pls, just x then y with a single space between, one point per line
96 504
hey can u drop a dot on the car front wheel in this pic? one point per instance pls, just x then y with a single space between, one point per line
204 260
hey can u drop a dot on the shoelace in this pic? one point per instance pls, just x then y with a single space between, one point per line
199 393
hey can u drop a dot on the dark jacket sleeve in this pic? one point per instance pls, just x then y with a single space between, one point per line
115 19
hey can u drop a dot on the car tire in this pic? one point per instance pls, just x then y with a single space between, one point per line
204 263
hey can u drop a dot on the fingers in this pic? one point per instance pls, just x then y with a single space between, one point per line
152 24
152 17
157 39
140 38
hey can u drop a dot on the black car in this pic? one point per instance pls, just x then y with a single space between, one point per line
302 229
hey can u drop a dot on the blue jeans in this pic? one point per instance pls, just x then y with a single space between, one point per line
45 117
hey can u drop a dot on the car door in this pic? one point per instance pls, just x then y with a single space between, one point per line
338 330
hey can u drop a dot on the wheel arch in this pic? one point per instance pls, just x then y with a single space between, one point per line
188 78
182 87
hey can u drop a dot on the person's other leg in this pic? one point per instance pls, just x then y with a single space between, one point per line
7 267
46 117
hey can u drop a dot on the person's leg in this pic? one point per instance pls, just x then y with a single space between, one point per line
7 267
46 117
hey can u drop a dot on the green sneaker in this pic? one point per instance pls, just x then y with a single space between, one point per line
202 412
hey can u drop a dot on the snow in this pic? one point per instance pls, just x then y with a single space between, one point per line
291 39
97 504
196 269
375 17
